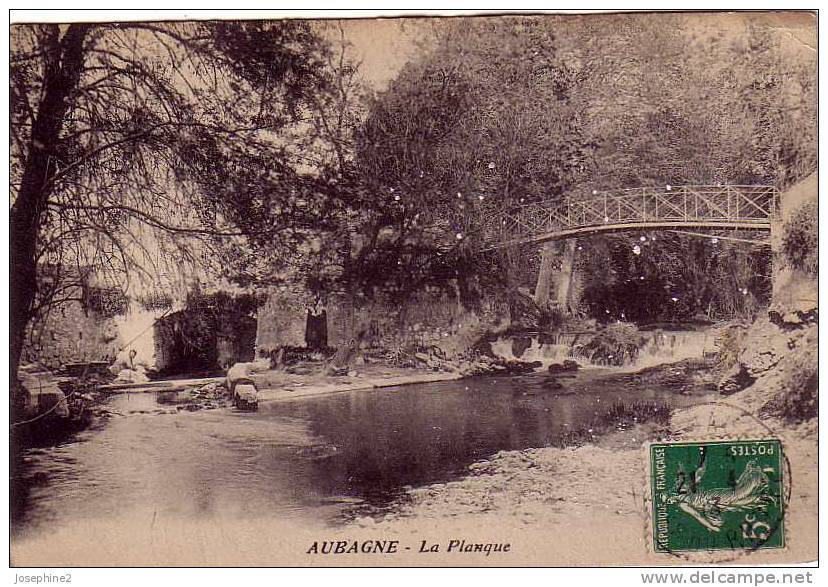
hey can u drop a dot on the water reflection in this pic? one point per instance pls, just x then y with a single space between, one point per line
300 458
383 440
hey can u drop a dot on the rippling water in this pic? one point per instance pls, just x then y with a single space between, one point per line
305 458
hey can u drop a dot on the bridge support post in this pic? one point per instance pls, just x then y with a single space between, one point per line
555 284
564 285
548 254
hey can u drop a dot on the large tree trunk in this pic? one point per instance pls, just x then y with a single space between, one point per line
63 64
556 284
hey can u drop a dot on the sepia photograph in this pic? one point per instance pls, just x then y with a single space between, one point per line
416 290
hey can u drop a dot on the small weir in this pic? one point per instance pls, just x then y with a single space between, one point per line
661 346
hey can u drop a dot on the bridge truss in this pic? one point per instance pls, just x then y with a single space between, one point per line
749 207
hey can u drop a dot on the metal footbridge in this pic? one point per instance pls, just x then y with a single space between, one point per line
747 207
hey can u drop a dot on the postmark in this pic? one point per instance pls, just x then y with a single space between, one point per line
717 495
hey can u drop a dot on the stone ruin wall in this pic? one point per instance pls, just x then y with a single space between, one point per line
71 334
429 318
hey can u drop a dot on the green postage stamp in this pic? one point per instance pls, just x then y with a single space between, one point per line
717 495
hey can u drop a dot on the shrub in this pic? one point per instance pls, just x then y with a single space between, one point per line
617 344
729 342
800 238
106 302
798 399
155 301
551 319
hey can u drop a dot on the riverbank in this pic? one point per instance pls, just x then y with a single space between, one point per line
226 486
311 381
277 385
306 378
588 505
595 495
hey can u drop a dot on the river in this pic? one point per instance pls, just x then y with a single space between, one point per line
312 460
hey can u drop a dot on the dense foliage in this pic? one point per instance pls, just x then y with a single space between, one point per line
800 238
668 276
498 112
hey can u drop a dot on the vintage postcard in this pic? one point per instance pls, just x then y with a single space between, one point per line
479 290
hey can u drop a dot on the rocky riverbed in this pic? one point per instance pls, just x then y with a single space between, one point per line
588 504
308 377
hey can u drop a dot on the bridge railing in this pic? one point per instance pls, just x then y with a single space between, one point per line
730 206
